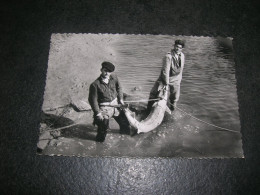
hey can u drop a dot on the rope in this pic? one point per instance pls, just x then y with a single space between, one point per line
63 127
188 115
79 123
142 100
207 122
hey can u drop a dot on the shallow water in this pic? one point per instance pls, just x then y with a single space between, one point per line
208 87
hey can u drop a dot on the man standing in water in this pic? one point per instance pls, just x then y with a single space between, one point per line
105 95
171 75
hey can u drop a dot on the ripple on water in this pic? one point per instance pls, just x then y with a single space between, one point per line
208 88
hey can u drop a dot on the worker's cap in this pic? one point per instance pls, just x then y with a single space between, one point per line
109 66
180 42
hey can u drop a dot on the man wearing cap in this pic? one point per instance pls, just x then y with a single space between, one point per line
105 94
171 75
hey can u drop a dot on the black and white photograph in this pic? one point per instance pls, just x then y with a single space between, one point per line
129 95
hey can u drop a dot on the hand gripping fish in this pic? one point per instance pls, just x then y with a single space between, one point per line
156 115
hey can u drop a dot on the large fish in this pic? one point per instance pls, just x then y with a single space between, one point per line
156 115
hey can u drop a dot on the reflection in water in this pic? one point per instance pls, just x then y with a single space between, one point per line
208 86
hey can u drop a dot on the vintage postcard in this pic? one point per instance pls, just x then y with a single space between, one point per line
122 95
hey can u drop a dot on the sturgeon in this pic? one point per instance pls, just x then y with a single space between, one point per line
155 117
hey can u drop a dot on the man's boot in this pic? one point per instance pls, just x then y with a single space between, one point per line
102 130
173 106
101 136
133 131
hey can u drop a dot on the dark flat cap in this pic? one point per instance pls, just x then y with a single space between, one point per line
109 66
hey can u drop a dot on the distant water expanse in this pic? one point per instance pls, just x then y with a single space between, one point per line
208 88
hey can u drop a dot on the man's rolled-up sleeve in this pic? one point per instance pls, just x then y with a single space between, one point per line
93 99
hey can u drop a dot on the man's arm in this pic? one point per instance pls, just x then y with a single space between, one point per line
183 60
119 90
166 69
182 63
92 98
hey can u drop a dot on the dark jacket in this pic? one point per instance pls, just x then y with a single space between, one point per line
100 92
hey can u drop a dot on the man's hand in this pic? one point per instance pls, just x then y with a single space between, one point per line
99 117
123 105
165 87
122 102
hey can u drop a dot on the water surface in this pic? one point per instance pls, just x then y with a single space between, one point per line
208 87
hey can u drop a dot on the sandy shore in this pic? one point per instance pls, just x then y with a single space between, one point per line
74 63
